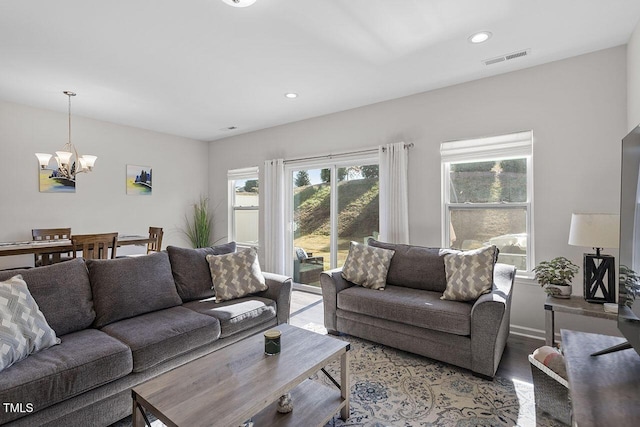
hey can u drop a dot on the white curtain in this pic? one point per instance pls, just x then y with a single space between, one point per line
274 216
394 196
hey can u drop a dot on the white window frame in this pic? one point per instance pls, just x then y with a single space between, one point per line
233 176
503 147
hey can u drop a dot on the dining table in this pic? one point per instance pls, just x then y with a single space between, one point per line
61 245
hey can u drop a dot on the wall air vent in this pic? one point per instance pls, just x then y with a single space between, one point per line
507 57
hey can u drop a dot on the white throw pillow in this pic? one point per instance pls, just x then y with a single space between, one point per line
236 275
469 273
367 266
23 328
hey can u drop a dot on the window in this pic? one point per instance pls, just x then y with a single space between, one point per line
244 206
487 196
331 202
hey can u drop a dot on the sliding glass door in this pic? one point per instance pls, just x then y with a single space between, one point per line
330 205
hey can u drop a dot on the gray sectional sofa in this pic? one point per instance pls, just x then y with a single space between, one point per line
122 322
409 314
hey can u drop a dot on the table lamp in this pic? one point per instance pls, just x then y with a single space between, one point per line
597 231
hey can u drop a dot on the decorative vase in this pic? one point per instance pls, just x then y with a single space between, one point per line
558 291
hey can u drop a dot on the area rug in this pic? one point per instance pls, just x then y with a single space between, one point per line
390 387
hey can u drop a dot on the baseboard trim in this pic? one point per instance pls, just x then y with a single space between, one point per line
527 332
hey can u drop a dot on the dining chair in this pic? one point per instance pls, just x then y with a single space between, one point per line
95 246
155 233
41 234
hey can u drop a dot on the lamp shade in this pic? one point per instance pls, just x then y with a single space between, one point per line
64 157
595 230
43 159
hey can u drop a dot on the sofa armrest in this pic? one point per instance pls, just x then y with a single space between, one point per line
332 283
490 316
280 288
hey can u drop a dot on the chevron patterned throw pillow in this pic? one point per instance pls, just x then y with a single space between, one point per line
367 265
469 273
23 328
236 275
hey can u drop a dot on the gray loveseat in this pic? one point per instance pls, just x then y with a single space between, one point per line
122 322
409 314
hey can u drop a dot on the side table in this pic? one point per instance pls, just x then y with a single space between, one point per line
573 305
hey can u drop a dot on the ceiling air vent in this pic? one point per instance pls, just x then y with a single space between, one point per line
507 57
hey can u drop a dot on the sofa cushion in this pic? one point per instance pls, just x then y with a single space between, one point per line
237 315
236 275
469 273
162 335
23 328
63 294
367 266
84 360
191 272
127 287
413 307
415 266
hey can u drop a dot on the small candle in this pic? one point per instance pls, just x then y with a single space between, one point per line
272 342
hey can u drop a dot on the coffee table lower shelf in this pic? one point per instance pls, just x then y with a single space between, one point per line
311 401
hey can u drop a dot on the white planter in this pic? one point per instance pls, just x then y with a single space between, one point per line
558 291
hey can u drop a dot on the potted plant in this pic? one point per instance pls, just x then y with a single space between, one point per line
555 276
198 230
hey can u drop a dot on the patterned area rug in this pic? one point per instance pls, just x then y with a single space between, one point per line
390 387
393 388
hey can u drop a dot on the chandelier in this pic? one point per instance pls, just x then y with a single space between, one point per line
70 163
239 3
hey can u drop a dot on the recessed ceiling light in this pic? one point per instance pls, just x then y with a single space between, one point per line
480 37
239 3
291 95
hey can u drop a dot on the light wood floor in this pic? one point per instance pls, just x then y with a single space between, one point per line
307 308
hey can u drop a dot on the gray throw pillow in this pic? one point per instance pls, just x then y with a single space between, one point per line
469 273
63 293
367 266
191 271
236 275
128 287
23 328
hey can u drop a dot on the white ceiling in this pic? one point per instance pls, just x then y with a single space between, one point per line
195 67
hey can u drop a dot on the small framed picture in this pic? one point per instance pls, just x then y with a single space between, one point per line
139 180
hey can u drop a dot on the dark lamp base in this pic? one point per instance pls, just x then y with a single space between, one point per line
599 278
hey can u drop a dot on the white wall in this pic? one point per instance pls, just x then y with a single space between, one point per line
576 108
633 79
100 204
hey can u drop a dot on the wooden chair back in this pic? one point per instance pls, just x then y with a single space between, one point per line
40 234
95 246
155 233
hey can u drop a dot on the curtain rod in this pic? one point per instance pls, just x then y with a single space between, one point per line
343 153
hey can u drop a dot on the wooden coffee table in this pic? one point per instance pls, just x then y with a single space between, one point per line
239 382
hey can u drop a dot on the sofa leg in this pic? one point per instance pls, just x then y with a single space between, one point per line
332 332
483 376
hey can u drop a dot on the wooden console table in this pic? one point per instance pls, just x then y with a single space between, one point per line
574 305
605 390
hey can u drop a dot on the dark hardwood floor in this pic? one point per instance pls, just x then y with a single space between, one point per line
307 308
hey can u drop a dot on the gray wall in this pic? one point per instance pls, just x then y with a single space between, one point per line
100 204
576 108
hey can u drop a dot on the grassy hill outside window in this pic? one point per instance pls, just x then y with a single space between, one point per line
330 201
487 195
